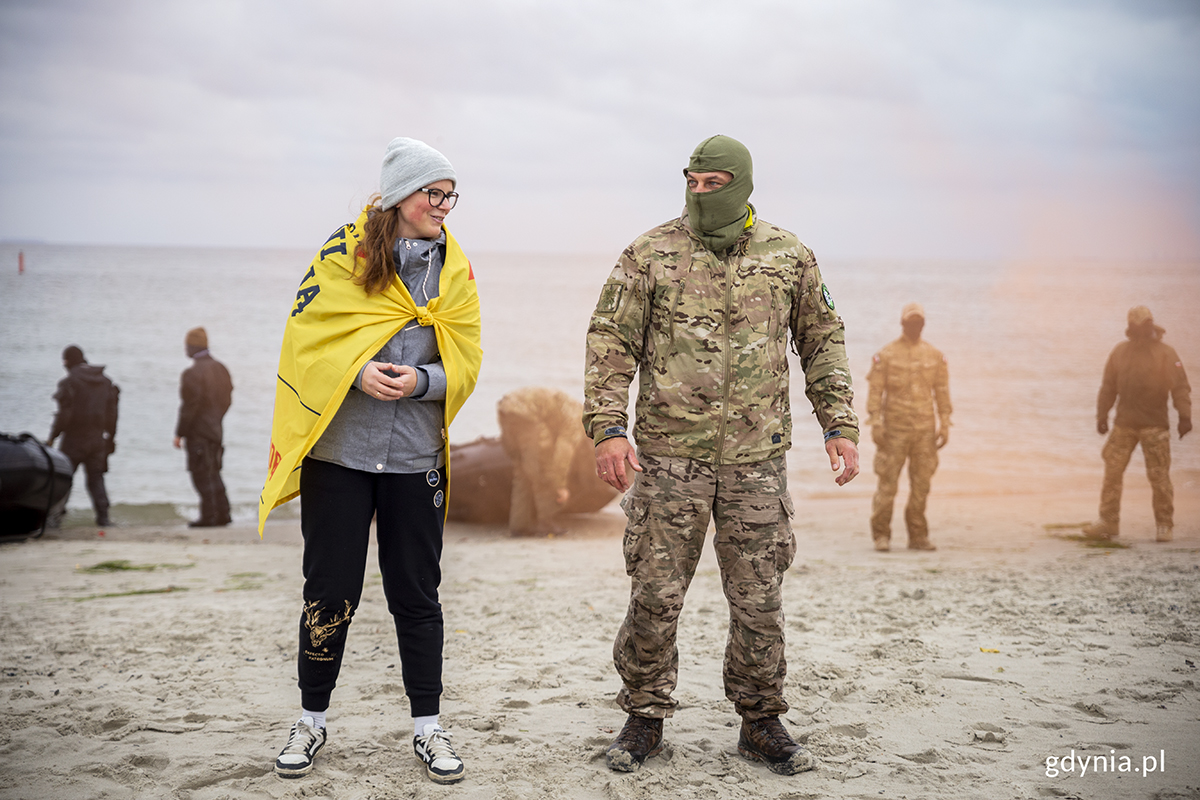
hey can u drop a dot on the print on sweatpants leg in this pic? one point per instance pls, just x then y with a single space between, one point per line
318 632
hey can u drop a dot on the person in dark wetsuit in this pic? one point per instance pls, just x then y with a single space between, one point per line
87 422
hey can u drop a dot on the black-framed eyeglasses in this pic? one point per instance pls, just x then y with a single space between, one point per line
437 197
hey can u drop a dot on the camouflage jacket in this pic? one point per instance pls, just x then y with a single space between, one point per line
708 337
907 381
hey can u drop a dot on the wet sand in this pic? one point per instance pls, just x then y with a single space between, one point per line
949 674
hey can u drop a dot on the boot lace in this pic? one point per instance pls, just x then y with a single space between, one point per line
773 732
638 734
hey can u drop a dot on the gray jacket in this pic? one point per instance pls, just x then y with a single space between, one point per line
398 435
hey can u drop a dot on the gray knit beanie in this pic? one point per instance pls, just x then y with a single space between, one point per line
409 165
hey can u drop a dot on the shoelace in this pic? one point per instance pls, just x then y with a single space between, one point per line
774 732
639 734
438 745
302 738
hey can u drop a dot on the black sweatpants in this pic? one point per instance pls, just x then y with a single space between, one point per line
336 506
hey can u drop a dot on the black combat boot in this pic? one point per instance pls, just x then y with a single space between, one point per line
768 741
638 740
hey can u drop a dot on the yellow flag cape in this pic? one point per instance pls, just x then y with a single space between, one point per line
335 328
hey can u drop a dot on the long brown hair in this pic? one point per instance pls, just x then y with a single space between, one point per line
375 249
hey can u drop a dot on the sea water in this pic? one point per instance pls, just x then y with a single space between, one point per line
1025 341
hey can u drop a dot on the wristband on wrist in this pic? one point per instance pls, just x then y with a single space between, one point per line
611 432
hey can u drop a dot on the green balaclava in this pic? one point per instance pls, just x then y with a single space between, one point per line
719 217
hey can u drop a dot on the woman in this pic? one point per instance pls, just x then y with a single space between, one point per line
379 353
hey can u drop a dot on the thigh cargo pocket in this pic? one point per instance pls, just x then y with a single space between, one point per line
785 549
635 543
662 534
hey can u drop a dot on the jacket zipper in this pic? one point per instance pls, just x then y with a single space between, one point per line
725 368
679 290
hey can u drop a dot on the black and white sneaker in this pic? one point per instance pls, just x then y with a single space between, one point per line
442 764
304 742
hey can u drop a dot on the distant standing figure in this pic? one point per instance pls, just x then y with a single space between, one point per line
908 409
87 421
1139 375
205 392
540 429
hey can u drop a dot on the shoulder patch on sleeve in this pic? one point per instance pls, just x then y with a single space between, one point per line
828 298
610 297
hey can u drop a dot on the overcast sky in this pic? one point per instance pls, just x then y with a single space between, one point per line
939 128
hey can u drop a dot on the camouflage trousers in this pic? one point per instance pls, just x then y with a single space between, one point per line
919 449
1156 449
669 508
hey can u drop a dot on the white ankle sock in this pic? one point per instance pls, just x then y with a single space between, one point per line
419 724
318 717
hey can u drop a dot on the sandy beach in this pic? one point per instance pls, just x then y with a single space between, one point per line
950 674
1027 173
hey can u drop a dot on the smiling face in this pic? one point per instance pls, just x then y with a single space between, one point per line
418 219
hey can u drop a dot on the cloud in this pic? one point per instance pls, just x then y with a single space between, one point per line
876 126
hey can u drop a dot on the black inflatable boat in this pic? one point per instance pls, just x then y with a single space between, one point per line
34 479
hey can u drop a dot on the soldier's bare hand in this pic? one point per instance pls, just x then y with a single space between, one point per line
877 435
611 457
843 453
1102 426
943 436
1185 425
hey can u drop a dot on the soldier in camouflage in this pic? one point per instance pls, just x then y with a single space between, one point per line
1139 376
908 409
700 309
